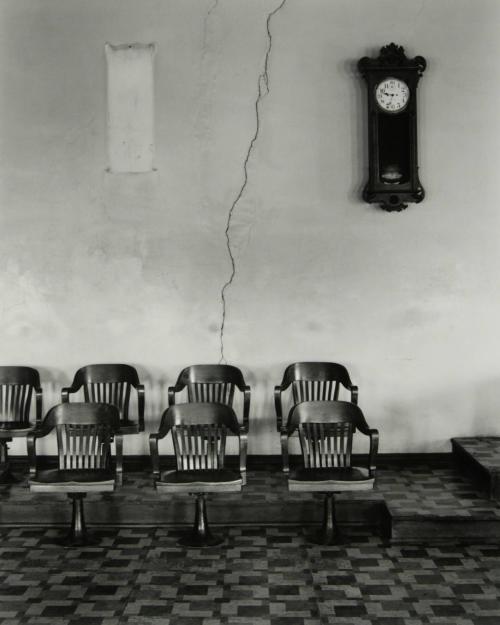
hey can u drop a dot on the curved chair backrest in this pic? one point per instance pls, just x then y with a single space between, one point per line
314 381
16 389
326 431
107 383
84 432
211 383
199 433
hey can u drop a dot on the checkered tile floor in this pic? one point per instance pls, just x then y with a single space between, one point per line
484 449
260 576
424 490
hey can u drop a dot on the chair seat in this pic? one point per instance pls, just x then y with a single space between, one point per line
12 429
200 481
73 481
335 479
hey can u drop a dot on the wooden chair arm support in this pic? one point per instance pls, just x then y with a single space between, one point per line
243 455
172 390
39 404
66 392
354 394
284 450
140 405
39 432
374 438
30 444
246 407
155 456
118 438
278 407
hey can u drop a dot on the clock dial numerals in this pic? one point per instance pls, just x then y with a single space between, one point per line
392 95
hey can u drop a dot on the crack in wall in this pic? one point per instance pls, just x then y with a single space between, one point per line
209 12
205 27
262 91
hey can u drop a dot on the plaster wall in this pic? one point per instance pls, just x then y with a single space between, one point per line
100 267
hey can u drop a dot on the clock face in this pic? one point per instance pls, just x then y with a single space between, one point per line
392 95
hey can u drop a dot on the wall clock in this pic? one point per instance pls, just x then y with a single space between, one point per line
391 81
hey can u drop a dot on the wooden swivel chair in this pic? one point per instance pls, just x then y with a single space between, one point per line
309 381
84 433
17 386
111 383
199 432
326 431
213 383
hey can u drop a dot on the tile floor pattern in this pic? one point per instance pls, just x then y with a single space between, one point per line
424 490
260 576
484 449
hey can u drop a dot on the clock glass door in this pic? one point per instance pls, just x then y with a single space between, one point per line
394 148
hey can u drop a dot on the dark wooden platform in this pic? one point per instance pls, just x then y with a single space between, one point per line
416 498
265 500
479 459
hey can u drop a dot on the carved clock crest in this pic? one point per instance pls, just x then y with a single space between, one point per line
391 81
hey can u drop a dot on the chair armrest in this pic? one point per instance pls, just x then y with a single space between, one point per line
354 394
118 438
30 444
374 438
246 408
66 392
278 407
284 450
172 390
140 405
155 456
39 432
39 404
153 444
243 454
364 428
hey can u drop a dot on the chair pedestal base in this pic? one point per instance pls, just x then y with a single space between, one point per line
78 535
200 534
6 475
329 533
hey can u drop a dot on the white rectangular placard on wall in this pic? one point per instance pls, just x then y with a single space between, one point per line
130 107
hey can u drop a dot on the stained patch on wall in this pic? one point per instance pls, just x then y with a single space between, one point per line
130 107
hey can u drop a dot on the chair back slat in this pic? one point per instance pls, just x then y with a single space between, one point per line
315 390
220 392
326 444
15 402
83 446
116 393
212 456
199 446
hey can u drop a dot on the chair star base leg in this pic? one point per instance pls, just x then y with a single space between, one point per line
329 533
78 535
200 534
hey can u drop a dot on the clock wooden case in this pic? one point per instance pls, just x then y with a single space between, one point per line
391 81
